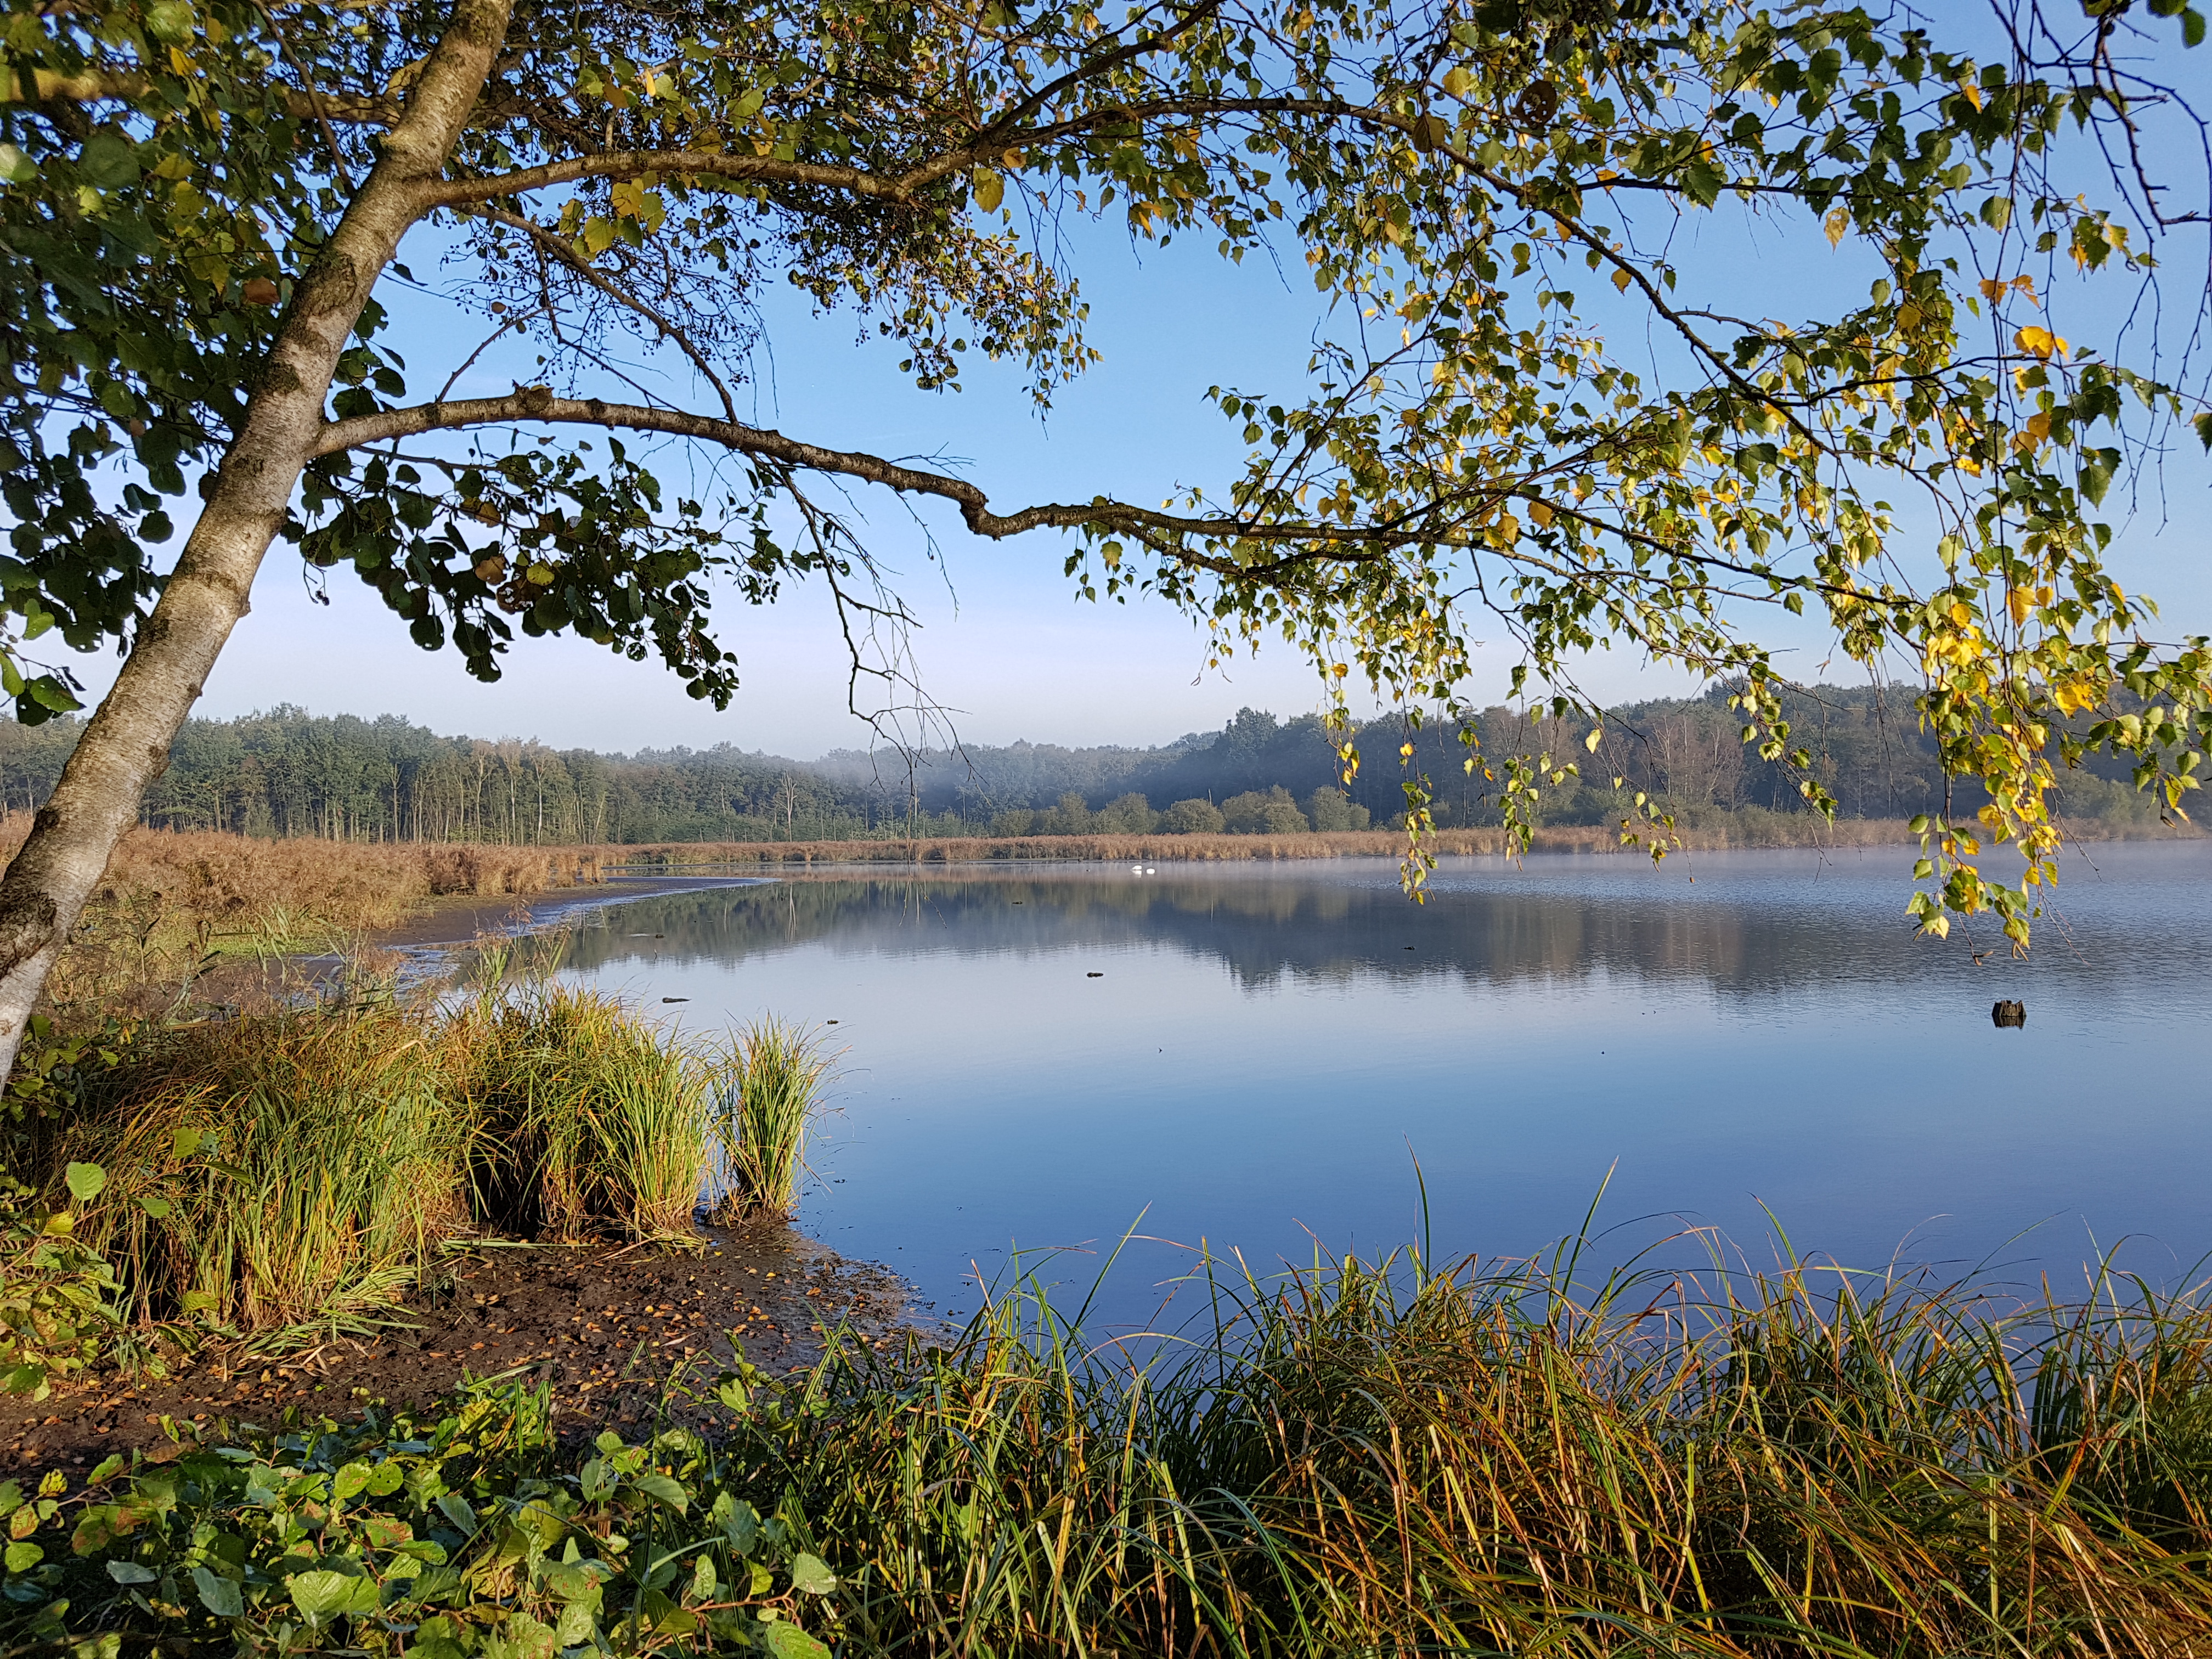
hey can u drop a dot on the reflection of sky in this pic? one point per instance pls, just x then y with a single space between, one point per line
1262 1058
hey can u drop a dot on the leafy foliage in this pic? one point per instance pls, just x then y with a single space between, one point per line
460 1534
1465 444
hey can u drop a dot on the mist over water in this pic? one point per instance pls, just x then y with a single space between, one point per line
1266 1048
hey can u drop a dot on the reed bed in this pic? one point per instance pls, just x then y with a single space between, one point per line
311 1162
1742 829
194 919
1379 1460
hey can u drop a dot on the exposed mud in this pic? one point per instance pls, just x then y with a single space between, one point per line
602 1327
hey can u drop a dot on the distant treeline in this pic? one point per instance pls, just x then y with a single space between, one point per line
289 772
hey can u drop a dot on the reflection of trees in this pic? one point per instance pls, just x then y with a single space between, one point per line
1265 930
1262 930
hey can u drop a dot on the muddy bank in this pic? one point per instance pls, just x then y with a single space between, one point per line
602 1327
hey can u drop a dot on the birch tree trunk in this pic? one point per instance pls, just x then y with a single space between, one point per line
125 744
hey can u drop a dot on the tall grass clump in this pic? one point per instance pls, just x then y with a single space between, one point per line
586 1117
1378 1460
266 1170
312 1162
774 1072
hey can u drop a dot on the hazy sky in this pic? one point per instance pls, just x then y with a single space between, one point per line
1005 641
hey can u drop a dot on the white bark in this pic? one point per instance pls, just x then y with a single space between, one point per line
126 743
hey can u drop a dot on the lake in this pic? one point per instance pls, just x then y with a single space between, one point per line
1253 1056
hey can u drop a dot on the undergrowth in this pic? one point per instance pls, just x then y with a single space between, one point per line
1359 1459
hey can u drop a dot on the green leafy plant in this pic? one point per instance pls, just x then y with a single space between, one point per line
60 1307
465 1533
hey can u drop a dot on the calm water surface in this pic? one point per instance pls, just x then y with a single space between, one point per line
1265 1049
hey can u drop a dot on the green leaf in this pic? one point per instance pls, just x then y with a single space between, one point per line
787 1641
218 1595
15 168
108 160
350 1482
171 22
23 1555
130 1572
49 693
154 1204
85 1181
811 1574
665 1489
578 1625
2192 28
322 1594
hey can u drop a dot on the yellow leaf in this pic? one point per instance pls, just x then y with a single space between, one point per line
1540 513
1457 80
988 190
1838 221
2039 343
2017 603
1621 280
1961 612
1992 290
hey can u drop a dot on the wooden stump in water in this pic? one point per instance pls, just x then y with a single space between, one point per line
2008 1013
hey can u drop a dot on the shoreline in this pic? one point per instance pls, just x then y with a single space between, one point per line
598 1325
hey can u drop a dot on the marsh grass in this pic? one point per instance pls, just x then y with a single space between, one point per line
1382 1459
311 1162
773 1074
585 1117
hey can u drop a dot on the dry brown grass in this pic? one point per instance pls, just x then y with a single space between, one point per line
1773 830
178 916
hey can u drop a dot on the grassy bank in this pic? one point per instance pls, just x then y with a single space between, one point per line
1360 1461
311 1164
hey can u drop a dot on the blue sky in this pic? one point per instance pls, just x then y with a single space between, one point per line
1005 641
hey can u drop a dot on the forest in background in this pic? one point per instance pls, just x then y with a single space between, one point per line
290 773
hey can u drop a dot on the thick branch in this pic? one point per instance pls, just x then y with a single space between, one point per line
537 403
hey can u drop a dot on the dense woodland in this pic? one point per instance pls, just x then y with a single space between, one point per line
288 773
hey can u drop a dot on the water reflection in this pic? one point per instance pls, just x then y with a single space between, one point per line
1253 1052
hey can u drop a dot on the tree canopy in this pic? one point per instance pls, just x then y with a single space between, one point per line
204 200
